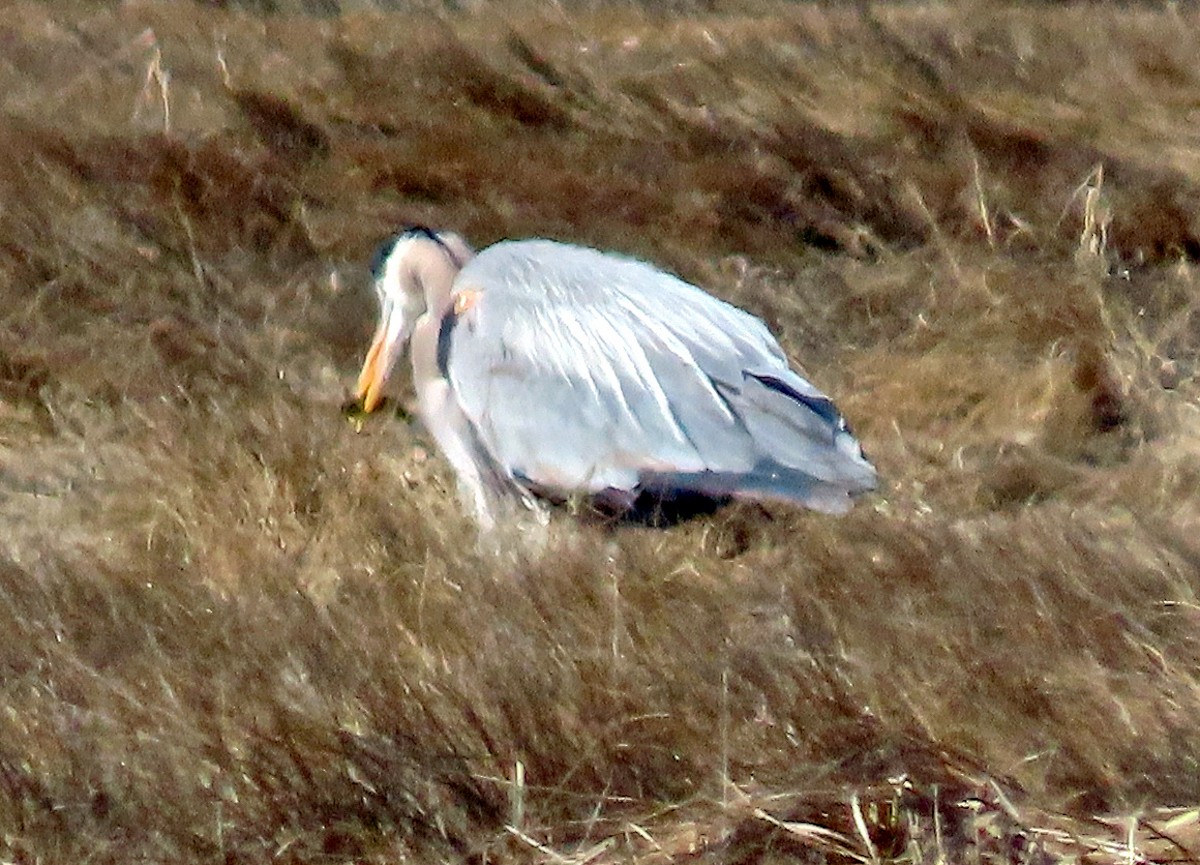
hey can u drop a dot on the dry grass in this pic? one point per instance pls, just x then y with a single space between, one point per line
232 630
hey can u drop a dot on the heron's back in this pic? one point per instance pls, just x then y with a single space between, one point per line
587 371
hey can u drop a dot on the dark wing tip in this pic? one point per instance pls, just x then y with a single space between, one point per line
820 405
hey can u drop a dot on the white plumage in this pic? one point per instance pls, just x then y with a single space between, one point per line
553 369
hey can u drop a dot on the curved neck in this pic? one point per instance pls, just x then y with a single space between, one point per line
434 271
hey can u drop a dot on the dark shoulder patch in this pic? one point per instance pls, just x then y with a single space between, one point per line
445 334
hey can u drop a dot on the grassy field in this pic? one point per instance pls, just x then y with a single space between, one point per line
235 630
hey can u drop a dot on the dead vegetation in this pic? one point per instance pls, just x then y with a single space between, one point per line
233 630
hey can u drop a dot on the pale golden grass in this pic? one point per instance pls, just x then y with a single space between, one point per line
234 629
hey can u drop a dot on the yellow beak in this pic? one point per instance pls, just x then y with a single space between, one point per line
370 381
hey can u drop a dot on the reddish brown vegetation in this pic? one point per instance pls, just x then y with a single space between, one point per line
233 630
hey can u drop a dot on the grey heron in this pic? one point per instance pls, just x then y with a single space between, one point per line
548 369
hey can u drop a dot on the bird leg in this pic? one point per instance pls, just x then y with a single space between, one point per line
479 487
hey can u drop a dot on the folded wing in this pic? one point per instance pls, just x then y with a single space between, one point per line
587 372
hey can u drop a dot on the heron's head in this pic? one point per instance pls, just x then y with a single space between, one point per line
412 273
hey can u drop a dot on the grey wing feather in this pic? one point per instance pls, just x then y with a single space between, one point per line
586 371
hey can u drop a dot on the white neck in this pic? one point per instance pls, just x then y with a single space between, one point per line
427 274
